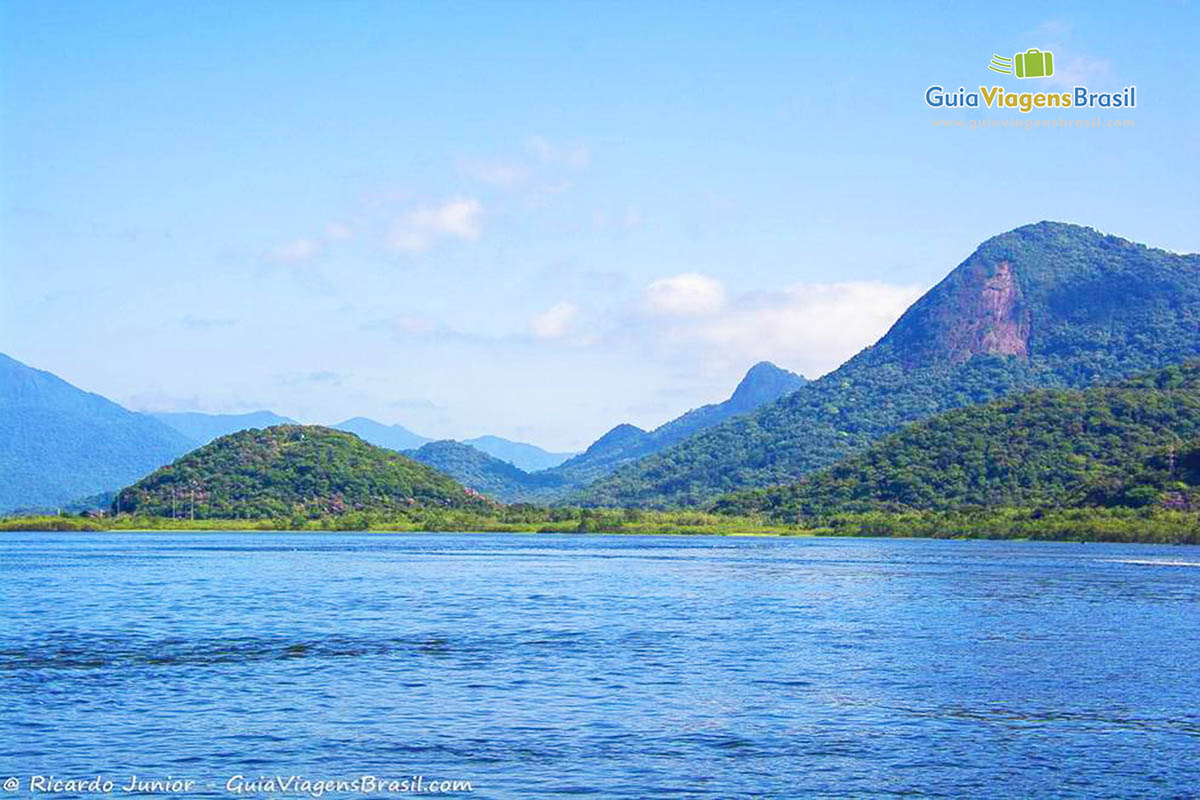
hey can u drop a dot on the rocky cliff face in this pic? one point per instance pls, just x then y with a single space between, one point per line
994 320
979 309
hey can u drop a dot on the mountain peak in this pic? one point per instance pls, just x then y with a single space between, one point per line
618 437
764 382
1030 291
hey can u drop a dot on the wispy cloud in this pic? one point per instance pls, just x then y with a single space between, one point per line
685 295
1056 29
814 327
1072 67
554 322
405 327
422 227
1073 70
576 156
495 173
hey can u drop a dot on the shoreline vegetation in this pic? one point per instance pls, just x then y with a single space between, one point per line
1143 525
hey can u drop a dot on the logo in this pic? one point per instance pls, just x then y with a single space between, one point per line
1033 63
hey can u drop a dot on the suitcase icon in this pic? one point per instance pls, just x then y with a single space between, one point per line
1034 63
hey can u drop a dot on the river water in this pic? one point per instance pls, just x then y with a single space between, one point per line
606 666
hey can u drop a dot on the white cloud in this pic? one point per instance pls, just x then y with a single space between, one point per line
685 295
295 252
812 327
455 218
422 227
554 321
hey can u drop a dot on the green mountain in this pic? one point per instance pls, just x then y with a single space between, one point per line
528 457
485 473
620 445
59 443
763 383
1132 444
203 428
286 470
1045 305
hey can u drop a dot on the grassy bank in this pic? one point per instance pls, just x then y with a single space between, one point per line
1085 525
511 520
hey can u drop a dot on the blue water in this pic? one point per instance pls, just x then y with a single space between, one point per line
617 667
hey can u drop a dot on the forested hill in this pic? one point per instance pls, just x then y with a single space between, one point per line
287 470
1134 444
1045 305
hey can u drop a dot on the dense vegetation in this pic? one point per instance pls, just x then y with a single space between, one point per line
515 518
1085 525
302 471
59 443
1136 444
1046 305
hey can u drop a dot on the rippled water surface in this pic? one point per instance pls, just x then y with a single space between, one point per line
618 667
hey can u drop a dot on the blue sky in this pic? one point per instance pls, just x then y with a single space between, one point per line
535 220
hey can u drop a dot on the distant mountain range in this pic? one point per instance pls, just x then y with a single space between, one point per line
62 447
763 383
1045 305
203 428
524 456
393 437
59 443
528 457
